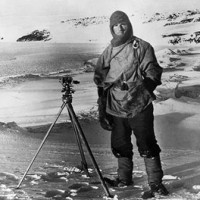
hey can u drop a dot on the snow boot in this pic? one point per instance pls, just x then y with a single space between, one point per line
125 169
158 189
116 182
155 174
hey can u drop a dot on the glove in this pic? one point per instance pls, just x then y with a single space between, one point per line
104 118
105 124
150 84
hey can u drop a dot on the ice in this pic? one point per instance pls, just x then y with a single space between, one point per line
170 177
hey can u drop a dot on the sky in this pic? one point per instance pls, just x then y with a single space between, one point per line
78 8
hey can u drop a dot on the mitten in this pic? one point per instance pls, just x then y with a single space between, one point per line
104 118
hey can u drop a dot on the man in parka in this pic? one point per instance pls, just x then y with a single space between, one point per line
126 75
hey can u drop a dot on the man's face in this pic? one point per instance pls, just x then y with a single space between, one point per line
120 28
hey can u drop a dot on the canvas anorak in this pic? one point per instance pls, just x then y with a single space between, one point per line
127 74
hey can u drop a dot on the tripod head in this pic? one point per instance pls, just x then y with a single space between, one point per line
67 90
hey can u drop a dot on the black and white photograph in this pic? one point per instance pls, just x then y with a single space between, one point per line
99 99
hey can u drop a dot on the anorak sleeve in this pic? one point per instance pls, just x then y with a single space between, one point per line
150 68
102 67
98 72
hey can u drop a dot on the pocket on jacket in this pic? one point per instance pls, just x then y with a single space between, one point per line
137 97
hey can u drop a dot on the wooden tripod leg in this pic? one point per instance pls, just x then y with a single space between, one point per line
78 139
41 145
80 131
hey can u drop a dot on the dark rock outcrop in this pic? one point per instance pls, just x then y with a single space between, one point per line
36 35
173 18
176 38
87 21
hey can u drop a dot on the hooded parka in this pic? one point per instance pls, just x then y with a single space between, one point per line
133 65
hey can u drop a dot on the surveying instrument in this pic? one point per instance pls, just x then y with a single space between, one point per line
67 90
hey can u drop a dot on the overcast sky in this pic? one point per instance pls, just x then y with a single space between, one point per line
79 8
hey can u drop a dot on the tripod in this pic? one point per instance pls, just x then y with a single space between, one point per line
67 102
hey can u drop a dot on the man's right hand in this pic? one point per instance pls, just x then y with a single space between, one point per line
104 118
105 124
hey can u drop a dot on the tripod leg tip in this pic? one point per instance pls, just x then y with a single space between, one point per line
110 197
18 186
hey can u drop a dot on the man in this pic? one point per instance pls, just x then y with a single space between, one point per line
126 75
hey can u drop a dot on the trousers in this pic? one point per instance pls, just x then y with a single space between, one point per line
142 126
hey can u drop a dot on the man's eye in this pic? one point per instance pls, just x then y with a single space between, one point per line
124 25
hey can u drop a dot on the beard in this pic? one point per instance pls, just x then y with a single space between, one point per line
121 39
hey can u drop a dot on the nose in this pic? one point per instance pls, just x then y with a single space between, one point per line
120 26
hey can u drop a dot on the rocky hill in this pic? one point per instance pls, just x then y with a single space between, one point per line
87 21
191 15
36 35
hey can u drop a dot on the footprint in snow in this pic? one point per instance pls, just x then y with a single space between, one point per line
55 177
80 187
57 193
